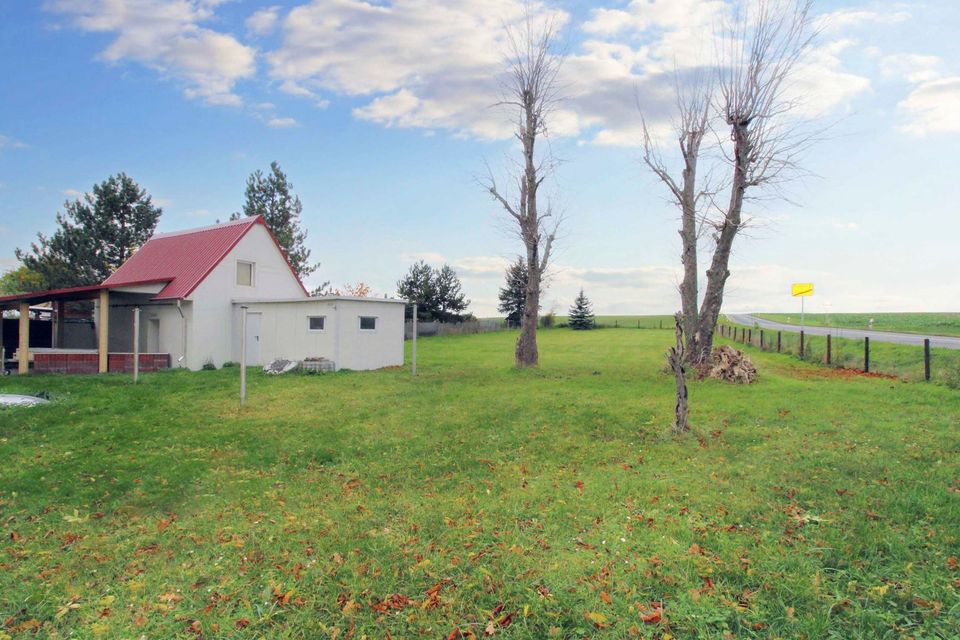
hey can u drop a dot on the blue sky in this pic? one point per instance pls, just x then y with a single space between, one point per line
379 113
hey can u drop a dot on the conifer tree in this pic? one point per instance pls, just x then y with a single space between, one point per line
271 196
581 313
513 294
95 235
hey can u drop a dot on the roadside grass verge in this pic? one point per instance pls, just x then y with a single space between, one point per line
901 361
483 499
931 324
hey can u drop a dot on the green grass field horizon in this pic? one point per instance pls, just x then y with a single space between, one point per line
929 323
477 500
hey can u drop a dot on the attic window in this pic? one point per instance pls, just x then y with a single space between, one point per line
244 273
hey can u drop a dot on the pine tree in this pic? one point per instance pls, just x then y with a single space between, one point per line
513 294
270 196
95 236
437 292
581 313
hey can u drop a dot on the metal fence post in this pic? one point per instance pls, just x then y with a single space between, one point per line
413 347
926 359
243 355
136 344
866 354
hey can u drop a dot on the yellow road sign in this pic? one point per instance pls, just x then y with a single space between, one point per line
802 289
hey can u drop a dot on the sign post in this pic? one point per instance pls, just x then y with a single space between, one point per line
801 290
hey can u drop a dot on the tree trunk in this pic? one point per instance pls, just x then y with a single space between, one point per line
689 292
527 353
719 269
676 359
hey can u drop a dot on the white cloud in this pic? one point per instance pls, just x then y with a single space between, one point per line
911 67
166 36
861 17
430 257
7 142
429 65
842 225
73 194
263 21
282 123
933 107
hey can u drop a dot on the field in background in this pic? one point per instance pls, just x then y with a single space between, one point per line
629 322
481 499
943 324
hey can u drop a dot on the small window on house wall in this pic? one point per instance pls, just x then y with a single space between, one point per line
316 323
368 323
244 273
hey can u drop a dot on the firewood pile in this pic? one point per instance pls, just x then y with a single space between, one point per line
726 363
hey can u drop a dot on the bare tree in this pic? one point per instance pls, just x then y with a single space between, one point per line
530 89
763 51
757 57
693 103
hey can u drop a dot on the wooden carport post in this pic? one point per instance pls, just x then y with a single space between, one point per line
23 350
103 338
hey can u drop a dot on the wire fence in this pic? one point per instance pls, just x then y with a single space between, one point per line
902 361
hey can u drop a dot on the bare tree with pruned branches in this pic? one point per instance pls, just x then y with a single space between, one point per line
531 91
693 103
749 100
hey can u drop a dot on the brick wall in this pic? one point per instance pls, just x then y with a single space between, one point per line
88 362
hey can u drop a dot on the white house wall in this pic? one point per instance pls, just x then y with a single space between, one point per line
285 333
382 347
211 330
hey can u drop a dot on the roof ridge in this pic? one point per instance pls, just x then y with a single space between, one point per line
245 220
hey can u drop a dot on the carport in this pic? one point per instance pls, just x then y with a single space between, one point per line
61 355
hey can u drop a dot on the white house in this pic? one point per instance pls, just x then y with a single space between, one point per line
192 287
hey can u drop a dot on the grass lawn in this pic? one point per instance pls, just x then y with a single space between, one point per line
481 499
931 324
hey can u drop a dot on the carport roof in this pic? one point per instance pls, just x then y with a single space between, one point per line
69 294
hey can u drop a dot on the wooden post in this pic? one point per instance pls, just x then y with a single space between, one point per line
413 359
23 349
779 336
243 355
750 337
801 343
829 349
136 344
926 359
616 324
761 338
866 355
103 338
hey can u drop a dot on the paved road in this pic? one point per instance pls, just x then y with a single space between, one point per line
943 342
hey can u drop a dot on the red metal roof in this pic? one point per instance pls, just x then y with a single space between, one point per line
184 258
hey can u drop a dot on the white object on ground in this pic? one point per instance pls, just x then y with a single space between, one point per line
280 366
14 400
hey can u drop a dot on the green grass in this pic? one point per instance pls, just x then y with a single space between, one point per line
541 503
934 324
